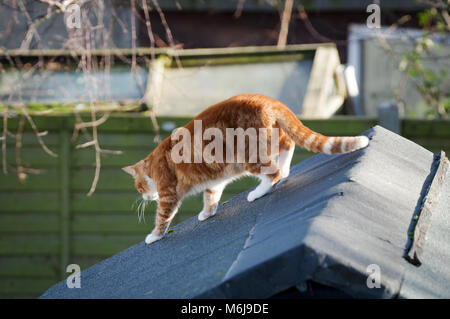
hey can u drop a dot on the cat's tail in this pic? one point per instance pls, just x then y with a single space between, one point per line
313 141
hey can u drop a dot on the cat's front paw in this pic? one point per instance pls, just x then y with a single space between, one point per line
152 238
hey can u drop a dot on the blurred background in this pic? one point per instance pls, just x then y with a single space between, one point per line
87 87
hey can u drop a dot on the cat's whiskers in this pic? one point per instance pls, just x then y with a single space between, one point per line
134 205
143 207
139 210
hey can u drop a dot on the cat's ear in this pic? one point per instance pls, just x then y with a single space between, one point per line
130 170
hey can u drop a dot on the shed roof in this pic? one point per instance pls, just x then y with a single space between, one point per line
333 217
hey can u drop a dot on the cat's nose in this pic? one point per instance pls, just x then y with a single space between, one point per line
146 197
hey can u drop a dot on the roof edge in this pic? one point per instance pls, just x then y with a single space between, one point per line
429 200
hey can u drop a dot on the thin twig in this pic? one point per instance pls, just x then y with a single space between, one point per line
98 122
20 172
149 29
36 131
168 32
239 8
4 137
285 19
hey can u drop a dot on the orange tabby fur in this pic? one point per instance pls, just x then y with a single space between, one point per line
159 176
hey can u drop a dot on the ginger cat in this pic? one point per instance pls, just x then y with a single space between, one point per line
162 177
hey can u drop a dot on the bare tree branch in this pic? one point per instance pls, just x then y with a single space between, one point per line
285 20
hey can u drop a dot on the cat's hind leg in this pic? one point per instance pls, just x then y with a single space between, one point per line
287 147
269 176
211 197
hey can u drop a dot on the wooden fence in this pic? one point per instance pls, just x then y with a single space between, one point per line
47 222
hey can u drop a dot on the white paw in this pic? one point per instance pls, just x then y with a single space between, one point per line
152 238
262 189
258 192
253 195
284 174
202 216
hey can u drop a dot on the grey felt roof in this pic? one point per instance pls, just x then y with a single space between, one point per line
333 217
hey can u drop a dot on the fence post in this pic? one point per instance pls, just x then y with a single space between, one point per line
64 167
155 80
388 116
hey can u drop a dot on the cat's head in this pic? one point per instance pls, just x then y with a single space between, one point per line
143 182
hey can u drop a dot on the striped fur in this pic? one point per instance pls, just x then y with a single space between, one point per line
313 141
